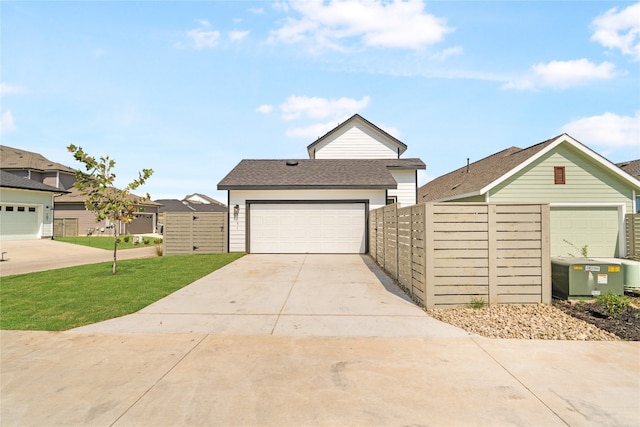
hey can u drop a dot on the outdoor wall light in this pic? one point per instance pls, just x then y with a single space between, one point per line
236 211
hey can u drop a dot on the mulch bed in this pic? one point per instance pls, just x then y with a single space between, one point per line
625 326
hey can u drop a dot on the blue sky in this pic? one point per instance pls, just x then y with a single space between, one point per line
191 88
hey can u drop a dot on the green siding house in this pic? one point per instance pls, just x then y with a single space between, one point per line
588 195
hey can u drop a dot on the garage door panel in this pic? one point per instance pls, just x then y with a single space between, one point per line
307 228
573 228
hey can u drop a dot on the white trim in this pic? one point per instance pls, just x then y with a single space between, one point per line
579 146
622 211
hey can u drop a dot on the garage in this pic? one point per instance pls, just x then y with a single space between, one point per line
19 222
326 227
597 227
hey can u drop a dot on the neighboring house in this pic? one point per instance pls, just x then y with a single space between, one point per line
632 167
320 204
70 203
588 195
26 208
193 203
202 199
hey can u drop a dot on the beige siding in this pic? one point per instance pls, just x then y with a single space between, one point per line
86 219
585 182
406 191
356 143
237 224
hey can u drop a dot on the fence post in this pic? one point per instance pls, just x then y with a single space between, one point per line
429 257
545 231
492 223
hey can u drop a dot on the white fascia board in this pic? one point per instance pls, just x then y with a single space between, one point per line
579 146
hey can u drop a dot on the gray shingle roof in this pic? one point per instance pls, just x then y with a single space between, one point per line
314 174
15 158
479 174
9 180
632 167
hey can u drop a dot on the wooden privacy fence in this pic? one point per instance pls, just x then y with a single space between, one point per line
65 227
632 222
195 232
450 253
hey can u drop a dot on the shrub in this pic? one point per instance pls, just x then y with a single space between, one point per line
157 241
127 239
613 305
477 303
146 240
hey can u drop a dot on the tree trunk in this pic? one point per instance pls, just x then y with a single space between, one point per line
114 269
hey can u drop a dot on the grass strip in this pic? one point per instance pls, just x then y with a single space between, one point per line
66 298
104 242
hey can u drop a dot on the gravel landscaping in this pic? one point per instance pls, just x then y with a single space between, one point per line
562 320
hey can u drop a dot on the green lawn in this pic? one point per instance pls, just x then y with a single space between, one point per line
61 299
103 242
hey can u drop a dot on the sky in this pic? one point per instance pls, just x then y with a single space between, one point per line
189 88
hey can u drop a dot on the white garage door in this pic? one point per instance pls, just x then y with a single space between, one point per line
594 229
307 228
18 222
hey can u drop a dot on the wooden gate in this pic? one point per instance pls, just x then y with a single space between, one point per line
197 232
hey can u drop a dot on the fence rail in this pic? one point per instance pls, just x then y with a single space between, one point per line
197 232
632 222
448 253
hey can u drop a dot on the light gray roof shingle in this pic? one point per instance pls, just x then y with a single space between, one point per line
15 158
632 167
9 180
479 174
313 174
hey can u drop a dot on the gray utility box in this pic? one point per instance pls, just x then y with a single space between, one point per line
585 277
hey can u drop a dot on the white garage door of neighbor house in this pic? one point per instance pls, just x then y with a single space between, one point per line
307 228
18 222
595 229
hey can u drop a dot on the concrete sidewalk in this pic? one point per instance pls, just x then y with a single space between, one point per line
73 379
290 295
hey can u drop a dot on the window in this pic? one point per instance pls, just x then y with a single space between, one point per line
392 199
32 209
9 209
20 208
559 176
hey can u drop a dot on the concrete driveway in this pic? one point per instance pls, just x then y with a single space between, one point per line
301 340
289 295
29 256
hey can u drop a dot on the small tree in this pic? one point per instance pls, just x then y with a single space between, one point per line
102 198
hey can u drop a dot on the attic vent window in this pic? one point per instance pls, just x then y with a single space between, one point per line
559 175
292 163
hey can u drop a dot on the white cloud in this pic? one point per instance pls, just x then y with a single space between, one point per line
202 37
608 130
619 30
321 108
265 109
256 10
6 122
446 53
7 89
311 132
238 35
383 24
563 74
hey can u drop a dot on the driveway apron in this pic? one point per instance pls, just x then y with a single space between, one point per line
288 295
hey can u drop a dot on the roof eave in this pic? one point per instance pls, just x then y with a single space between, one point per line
309 187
